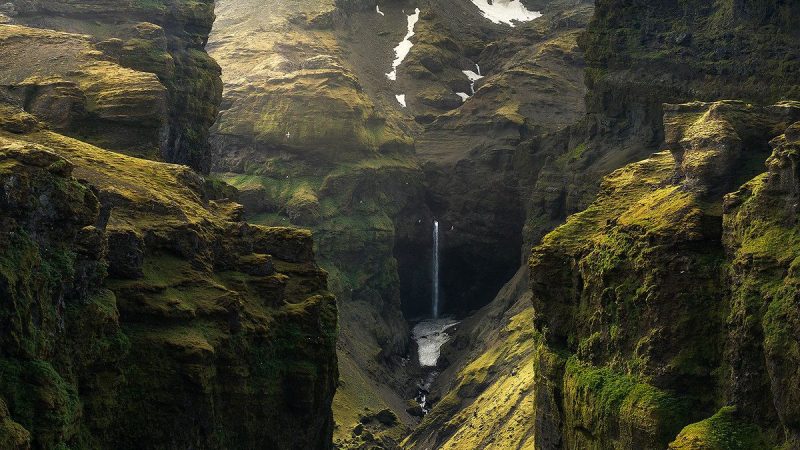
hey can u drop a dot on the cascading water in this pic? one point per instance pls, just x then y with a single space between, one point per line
435 271
431 334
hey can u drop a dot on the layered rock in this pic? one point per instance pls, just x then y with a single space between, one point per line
161 38
481 159
761 343
305 138
641 56
632 299
311 133
194 313
141 310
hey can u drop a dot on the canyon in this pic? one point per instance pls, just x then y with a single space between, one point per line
385 224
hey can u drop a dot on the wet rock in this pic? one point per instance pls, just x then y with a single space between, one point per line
415 411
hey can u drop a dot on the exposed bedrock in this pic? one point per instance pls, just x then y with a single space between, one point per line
162 41
640 56
140 310
650 311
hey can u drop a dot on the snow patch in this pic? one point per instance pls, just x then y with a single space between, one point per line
401 99
430 335
378 10
473 77
402 49
464 96
506 11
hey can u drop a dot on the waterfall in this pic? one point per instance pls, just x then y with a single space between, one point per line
435 271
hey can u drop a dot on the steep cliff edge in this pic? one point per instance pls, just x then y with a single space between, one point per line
650 317
641 55
141 311
652 304
161 37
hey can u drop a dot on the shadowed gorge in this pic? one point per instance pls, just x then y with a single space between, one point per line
399 224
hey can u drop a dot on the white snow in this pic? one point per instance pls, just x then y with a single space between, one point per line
430 335
402 49
506 11
378 10
473 77
401 99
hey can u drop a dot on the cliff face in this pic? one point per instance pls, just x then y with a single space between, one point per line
653 305
761 238
640 55
481 159
141 311
662 308
165 38
311 133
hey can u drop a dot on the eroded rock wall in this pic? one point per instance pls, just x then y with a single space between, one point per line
641 55
651 319
140 310
165 38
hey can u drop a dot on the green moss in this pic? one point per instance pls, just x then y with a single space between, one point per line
149 4
573 155
304 112
491 402
13 436
40 400
619 408
725 430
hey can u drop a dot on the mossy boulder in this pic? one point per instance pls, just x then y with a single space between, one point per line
722 431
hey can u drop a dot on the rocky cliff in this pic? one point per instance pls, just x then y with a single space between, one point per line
646 334
657 306
657 325
140 310
312 132
165 38
640 56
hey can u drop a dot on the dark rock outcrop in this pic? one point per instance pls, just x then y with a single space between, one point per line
139 311
652 303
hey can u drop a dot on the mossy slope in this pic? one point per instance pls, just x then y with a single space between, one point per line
631 293
141 311
195 311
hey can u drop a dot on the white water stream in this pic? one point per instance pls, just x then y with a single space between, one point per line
506 11
435 272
